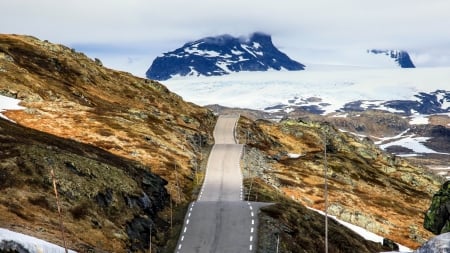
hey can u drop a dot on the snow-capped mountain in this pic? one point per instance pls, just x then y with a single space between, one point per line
221 55
399 56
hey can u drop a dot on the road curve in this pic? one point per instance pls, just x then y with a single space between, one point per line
219 221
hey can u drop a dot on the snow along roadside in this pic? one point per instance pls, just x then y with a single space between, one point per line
363 232
32 244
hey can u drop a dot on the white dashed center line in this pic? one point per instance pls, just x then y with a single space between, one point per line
252 229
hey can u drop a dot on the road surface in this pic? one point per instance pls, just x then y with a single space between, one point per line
219 221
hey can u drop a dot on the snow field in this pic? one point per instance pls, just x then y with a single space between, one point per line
258 90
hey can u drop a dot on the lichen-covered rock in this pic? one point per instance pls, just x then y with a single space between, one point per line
390 244
13 247
437 216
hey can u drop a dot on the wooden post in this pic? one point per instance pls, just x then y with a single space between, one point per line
171 215
326 190
61 227
150 246
177 184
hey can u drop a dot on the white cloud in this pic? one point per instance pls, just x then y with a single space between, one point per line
299 27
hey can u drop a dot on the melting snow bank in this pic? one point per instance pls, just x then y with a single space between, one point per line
16 242
363 232
7 103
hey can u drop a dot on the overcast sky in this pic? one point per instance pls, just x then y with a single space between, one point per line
129 34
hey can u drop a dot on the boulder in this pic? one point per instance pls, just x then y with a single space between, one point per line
387 243
438 244
437 216
12 246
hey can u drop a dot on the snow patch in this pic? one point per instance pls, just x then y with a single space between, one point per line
445 102
294 156
207 53
224 66
32 244
384 139
340 115
236 52
289 109
256 45
413 143
362 232
7 103
249 50
359 136
419 119
259 53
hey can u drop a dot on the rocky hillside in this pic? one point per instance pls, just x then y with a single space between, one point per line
108 202
221 55
367 187
73 97
289 221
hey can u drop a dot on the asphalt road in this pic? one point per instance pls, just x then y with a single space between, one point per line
219 221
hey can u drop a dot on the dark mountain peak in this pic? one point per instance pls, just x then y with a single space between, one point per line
261 38
221 55
400 56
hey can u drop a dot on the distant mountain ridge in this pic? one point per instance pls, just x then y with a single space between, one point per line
400 56
221 55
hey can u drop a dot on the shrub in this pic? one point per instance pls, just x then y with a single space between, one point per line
80 211
41 201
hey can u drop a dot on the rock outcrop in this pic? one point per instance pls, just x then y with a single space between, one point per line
400 56
437 218
438 244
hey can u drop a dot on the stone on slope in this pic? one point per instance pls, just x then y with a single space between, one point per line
438 244
437 216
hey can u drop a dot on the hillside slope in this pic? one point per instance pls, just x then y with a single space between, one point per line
71 96
108 202
367 187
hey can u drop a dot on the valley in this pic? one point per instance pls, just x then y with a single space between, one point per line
130 154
